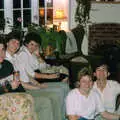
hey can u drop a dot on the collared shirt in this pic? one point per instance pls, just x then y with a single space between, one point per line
78 104
27 63
11 59
109 94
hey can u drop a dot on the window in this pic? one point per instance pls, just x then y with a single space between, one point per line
21 13
49 11
45 12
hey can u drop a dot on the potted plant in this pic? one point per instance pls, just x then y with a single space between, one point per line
82 16
50 37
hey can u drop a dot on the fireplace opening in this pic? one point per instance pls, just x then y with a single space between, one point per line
104 40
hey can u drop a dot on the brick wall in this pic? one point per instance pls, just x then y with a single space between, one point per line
103 34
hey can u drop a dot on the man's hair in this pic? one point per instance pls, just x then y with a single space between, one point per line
100 63
14 35
32 36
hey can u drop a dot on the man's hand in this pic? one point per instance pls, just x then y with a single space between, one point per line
15 84
43 85
54 76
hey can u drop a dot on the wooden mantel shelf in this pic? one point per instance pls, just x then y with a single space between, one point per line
107 2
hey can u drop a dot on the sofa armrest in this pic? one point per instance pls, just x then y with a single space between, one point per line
16 106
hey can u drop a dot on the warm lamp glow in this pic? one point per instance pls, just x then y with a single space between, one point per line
41 12
59 14
59 17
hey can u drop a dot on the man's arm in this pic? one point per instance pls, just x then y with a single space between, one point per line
46 76
110 116
29 86
36 83
73 117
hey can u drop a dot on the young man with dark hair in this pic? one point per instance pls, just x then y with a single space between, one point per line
108 89
27 64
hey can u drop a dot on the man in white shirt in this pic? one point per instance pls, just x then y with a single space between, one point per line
108 89
27 63
13 45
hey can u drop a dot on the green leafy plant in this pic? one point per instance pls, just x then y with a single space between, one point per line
82 14
49 36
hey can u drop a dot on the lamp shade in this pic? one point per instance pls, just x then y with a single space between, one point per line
59 14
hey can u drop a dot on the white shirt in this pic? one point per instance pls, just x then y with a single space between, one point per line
11 59
78 104
109 94
27 63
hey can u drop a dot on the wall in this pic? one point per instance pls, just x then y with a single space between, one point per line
61 5
100 12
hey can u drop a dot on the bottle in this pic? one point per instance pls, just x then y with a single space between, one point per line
16 75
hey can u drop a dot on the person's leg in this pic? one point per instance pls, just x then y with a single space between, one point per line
55 100
61 89
43 105
56 103
61 85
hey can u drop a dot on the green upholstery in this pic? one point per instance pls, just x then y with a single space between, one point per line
49 102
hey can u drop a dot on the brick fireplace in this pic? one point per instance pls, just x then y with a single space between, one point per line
103 40
103 34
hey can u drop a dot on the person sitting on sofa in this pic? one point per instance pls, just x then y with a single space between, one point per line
27 62
42 104
13 43
54 93
15 106
83 102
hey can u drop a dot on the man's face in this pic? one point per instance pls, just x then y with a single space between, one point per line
86 83
32 46
101 72
13 45
2 53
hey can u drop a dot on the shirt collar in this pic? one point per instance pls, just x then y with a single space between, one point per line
24 48
8 56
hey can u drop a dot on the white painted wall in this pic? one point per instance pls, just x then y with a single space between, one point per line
105 12
100 12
